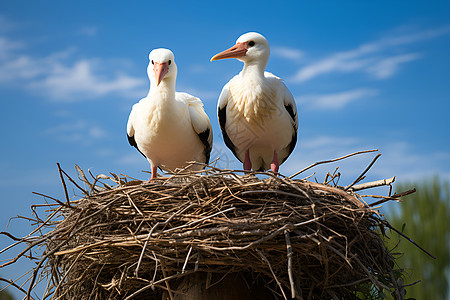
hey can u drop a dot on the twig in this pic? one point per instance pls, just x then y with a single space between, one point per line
372 184
157 282
289 262
54 199
156 265
26 239
200 220
338 191
265 238
396 287
272 192
163 269
330 161
363 173
409 239
84 179
151 232
393 197
271 270
9 281
74 182
64 185
134 205
47 255
67 272
410 284
186 261
308 221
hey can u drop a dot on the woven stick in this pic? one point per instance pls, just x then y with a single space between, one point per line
330 161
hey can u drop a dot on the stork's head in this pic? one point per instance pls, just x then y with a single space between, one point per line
161 66
250 47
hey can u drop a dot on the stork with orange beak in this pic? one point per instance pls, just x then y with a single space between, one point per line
169 128
257 113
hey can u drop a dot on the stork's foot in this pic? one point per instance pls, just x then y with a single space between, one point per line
247 162
274 166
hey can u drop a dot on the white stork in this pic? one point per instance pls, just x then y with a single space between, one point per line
169 128
257 113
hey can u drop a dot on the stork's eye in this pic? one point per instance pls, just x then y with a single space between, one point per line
170 62
251 43
153 62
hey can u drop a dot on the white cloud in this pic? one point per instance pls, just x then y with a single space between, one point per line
336 100
403 39
81 132
402 160
287 53
324 142
21 68
88 31
375 58
54 77
7 47
82 81
344 62
385 68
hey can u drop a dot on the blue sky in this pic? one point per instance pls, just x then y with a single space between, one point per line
365 75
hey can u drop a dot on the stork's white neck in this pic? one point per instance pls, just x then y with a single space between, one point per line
254 69
165 90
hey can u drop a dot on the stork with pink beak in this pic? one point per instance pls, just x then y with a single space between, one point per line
257 113
169 128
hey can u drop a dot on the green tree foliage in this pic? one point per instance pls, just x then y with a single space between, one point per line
425 218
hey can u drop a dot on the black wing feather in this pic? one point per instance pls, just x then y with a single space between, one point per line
132 142
204 138
222 115
290 111
293 142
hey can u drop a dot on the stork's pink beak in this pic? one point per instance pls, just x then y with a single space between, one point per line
238 50
160 70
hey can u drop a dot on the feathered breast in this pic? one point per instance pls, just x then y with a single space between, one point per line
255 101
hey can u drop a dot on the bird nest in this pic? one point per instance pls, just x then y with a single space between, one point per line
137 239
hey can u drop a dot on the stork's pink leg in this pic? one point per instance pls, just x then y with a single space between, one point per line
154 172
247 162
275 165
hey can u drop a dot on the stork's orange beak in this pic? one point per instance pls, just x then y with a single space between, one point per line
238 50
160 70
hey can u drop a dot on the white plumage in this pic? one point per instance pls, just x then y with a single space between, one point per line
169 128
257 113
